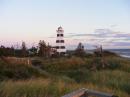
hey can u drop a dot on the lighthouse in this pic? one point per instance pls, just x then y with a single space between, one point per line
60 42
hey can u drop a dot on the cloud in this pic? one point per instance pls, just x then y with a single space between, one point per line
77 35
122 43
123 35
105 37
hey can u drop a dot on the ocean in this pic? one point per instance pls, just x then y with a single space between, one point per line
121 52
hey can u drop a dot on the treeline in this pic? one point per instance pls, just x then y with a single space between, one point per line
45 50
42 49
11 51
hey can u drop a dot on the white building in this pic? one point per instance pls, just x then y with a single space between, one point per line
60 42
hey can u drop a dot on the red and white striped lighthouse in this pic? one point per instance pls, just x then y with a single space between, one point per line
60 42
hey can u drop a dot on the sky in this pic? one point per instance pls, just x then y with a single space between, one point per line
92 22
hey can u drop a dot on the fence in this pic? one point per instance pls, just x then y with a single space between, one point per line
15 60
88 93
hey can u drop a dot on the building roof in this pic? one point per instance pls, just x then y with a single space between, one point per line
60 28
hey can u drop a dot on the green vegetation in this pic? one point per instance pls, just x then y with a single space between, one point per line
15 72
55 77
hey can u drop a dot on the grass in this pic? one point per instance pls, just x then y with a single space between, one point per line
50 88
9 71
57 77
32 88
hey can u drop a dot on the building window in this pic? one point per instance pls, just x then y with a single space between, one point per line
62 47
57 41
62 41
62 53
57 47
58 35
61 35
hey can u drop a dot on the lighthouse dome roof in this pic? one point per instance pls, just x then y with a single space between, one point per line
60 28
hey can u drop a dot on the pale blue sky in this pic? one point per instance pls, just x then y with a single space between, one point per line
32 20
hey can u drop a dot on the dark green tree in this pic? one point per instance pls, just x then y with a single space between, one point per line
24 50
80 50
6 51
33 51
42 48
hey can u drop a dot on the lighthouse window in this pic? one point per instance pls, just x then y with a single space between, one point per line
61 34
62 41
57 41
62 47
57 47
58 35
62 53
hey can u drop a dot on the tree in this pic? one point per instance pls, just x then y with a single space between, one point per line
48 50
99 58
33 51
80 50
6 51
2 51
42 48
12 51
24 49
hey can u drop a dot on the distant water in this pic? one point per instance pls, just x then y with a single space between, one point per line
121 52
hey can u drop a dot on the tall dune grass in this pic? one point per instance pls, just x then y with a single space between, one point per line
57 77
49 88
